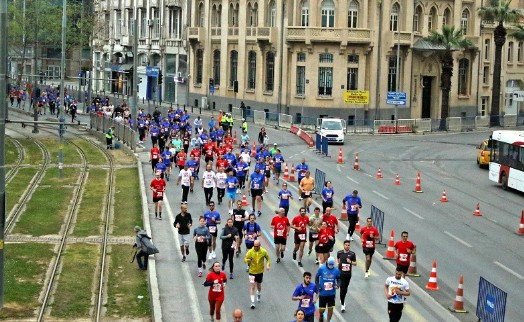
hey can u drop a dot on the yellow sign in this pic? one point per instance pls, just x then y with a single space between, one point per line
356 97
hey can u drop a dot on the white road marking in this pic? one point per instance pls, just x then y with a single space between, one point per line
303 151
457 239
381 195
338 168
355 181
414 213
509 270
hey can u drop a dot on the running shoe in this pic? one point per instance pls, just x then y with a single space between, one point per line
210 256
214 254
282 254
294 256
231 276
343 308
309 252
316 261
259 213
199 274
300 264
252 305
347 237
258 296
351 239
278 260
366 275
183 258
300 199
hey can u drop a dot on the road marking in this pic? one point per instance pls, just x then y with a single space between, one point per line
303 152
338 168
381 195
509 270
414 213
457 239
355 181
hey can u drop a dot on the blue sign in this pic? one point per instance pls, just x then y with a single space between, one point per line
396 98
490 304
152 71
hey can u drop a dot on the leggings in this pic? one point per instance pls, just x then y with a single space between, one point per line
208 192
185 190
344 283
201 250
221 192
214 306
228 253
352 224
325 205
241 181
395 311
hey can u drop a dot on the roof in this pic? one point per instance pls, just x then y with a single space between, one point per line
423 44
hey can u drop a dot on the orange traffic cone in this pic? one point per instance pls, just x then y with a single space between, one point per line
286 173
397 180
417 185
340 160
244 201
357 226
520 231
379 174
356 166
235 142
253 150
432 283
444 197
458 305
292 176
343 213
477 211
412 270
390 254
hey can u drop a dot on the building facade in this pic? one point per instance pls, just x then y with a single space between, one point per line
299 57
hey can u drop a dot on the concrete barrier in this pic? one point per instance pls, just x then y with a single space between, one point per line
305 136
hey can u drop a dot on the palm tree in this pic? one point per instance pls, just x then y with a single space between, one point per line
518 33
499 12
448 39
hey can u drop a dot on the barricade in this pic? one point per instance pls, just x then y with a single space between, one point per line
320 179
384 126
294 129
259 117
377 216
422 125
318 143
405 125
454 124
491 302
325 147
236 113
272 119
285 120
481 121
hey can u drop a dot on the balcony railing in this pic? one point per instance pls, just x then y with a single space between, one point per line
406 37
338 35
196 34
265 34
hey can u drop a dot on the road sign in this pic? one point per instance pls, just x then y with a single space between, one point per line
518 96
356 97
396 98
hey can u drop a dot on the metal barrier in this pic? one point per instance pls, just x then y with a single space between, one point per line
285 120
491 302
123 132
422 125
384 126
405 125
236 113
377 216
320 179
259 117
454 124
272 119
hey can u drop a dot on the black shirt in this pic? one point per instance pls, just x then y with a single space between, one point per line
345 260
227 242
183 220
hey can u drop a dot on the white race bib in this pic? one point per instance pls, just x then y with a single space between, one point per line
256 186
354 207
328 286
302 236
217 288
238 217
305 303
251 279
213 229
280 232
200 239
159 193
369 243
403 257
346 267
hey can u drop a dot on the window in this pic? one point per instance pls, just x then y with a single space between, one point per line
464 21
432 19
353 59
201 15
251 70
487 48
143 24
233 15
392 74
417 19
304 14
325 81
353 14
130 22
463 77
216 15
199 65
252 15
173 23
510 52
273 14
393 18
301 80
328 14
270 71
301 57
485 75
351 79
519 52
233 67
484 103
118 24
216 66
446 17
156 23
326 58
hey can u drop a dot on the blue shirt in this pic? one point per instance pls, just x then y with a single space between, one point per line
352 204
306 303
327 280
161 166
278 160
284 196
220 134
251 232
213 136
257 180
166 156
231 184
260 166
154 132
301 169
327 193
241 168
192 165
211 124
230 157
208 215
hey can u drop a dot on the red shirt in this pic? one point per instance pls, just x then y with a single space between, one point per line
222 163
196 152
368 235
154 153
209 149
160 186
220 150
228 141
181 156
300 222
403 257
216 291
323 236
330 220
280 225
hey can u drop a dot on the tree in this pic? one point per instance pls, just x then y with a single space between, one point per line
449 39
499 12
518 33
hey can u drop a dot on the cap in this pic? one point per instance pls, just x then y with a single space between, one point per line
137 228
331 261
275 144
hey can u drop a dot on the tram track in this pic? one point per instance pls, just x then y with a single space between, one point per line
21 157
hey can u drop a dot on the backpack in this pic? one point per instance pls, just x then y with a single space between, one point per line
148 246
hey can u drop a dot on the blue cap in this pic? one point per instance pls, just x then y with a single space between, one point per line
331 261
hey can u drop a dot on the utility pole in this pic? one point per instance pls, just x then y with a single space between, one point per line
61 118
134 104
3 115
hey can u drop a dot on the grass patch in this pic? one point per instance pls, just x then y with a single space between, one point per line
126 283
24 271
72 298
128 205
45 211
11 153
33 154
18 185
122 157
94 155
71 155
88 220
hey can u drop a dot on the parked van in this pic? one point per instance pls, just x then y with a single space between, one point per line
334 129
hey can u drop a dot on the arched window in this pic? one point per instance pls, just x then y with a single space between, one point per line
304 14
216 66
252 14
446 17
233 15
353 14
510 52
251 70
199 66
327 12
464 21
417 19
463 77
432 20
217 13
272 21
270 71
201 15
233 67
393 18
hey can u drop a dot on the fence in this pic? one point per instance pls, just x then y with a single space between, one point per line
123 132
491 302
320 179
377 216
321 145
259 117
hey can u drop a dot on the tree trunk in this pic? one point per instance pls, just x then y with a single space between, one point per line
445 86
500 39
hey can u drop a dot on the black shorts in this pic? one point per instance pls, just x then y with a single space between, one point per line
279 240
322 249
368 251
327 300
297 238
311 237
402 268
304 196
267 174
249 246
256 192
277 170
258 277
239 228
157 199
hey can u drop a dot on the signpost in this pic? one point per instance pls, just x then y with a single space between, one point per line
356 97
396 98
518 96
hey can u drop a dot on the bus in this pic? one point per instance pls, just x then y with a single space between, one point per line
506 165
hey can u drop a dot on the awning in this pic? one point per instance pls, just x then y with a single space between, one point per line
423 44
125 67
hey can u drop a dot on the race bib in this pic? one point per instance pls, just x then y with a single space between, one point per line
217 288
354 207
251 236
328 195
213 229
284 196
159 193
307 193
305 303
251 279
403 257
238 217
200 239
231 185
302 236
155 156
314 235
280 232
328 286
346 267
369 243
207 182
256 186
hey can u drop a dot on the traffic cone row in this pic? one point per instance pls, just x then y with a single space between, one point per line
244 201
390 254
292 176
418 187
379 174
397 180
520 231
432 283
357 226
286 173
355 165
458 305
477 211
444 198
412 270
344 213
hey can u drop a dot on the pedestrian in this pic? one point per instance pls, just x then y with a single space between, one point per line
261 135
396 289
239 217
325 237
327 196
238 315
208 183
353 203
255 259
306 186
212 220
72 111
404 248
183 223
141 255
369 235
301 169
256 184
186 179
315 221
158 186
284 195
216 280
299 224
110 134
328 280
280 225
306 293
346 259
300 316
229 238
201 237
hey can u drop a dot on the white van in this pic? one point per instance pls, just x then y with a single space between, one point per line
334 129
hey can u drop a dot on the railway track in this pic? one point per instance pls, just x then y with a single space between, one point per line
21 157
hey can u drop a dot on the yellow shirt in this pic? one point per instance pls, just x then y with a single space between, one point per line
256 265
307 184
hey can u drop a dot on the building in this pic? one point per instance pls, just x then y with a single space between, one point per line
299 57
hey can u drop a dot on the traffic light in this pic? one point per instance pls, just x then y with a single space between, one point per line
235 86
160 78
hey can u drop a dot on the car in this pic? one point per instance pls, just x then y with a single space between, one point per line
334 129
483 154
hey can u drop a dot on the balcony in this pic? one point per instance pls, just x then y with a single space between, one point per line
128 4
261 34
173 43
196 34
333 35
216 32
406 38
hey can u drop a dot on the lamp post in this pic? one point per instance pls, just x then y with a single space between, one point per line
3 115
61 118
397 81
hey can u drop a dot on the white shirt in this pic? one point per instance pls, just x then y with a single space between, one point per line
392 284
208 178
245 157
185 176
221 180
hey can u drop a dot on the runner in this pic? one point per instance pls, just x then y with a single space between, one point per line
307 184
183 223
403 250
353 205
299 224
212 220
186 178
280 225
251 231
241 168
327 196
369 235
231 190
278 159
332 222
267 171
307 295
239 216
301 169
196 152
166 158
345 259
255 260
284 195
229 238
193 164
325 237
154 154
208 183
328 280
161 166
201 237
158 186
181 158
221 184
256 182
396 289
217 280
315 221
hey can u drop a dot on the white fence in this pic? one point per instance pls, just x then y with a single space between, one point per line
285 120
259 117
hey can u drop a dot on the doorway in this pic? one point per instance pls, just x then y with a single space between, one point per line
427 82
